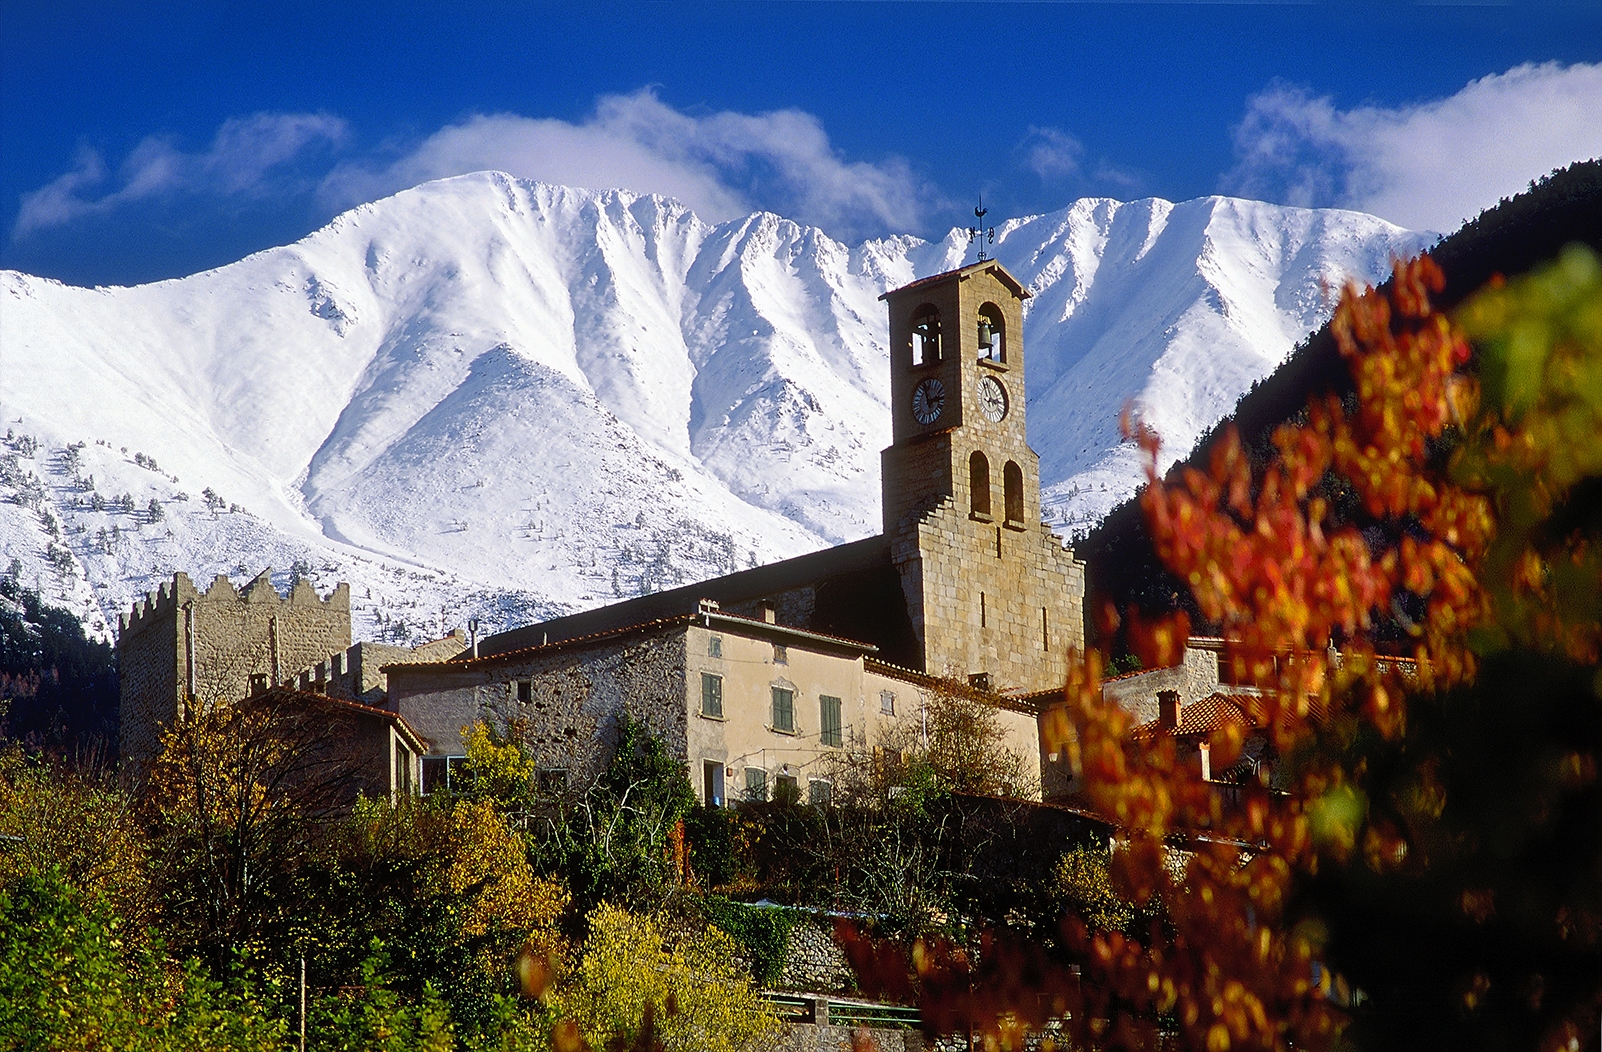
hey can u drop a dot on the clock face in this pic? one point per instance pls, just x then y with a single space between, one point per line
928 399
992 399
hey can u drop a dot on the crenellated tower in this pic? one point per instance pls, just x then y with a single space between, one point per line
182 649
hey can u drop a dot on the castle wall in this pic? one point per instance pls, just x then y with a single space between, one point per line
183 647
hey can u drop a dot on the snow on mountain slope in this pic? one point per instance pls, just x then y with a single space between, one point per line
490 397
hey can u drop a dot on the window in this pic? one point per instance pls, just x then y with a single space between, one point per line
979 484
525 691
829 720
712 783
992 334
925 335
781 654
443 773
887 703
756 784
711 695
1012 478
785 790
714 647
553 782
784 710
819 793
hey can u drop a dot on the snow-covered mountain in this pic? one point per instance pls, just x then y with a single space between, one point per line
491 397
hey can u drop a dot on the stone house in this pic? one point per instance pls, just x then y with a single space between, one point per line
966 588
348 748
756 709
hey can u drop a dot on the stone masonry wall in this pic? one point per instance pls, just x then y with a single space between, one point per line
1193 679
183 644
577 693
1016 615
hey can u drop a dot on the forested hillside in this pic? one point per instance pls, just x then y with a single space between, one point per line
1509 239
58 688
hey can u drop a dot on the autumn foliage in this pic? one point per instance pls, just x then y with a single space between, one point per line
1410 582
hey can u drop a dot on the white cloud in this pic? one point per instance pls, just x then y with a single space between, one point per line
1429 166
721 164
241 161
1052 153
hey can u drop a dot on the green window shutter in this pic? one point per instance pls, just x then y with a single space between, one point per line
829 720
756 784
711 694
783 709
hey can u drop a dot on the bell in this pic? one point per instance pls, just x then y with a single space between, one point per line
985 341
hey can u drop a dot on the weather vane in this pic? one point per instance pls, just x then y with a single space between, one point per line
985 235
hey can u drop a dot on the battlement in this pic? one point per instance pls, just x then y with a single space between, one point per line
163 604
181 648
357 672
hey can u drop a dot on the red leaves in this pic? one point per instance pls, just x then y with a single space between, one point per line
1284 580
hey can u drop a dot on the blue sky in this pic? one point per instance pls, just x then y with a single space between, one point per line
146 140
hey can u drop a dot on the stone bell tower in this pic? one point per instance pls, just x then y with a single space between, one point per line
991 591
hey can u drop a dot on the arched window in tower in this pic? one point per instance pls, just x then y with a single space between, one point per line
979 484
992 333
925 335
1012 482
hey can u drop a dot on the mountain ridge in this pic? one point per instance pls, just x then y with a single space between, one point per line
520 399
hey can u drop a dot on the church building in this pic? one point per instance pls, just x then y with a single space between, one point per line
756 678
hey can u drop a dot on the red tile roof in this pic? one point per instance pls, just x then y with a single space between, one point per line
1202 718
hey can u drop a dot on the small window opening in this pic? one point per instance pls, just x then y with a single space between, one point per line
443 773
926 335
979 484
525 691
829 732
781 654
756 784
887 703
982 610
711 695
714 647
1012 480
819 792
992 334
785 790
979 681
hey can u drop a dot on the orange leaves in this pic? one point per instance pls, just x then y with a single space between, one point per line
1284 579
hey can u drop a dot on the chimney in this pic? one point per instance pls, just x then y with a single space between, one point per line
1168 709
769 614
1207 761
472 635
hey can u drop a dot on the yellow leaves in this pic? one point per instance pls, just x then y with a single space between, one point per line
633 975
487 854
500 770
